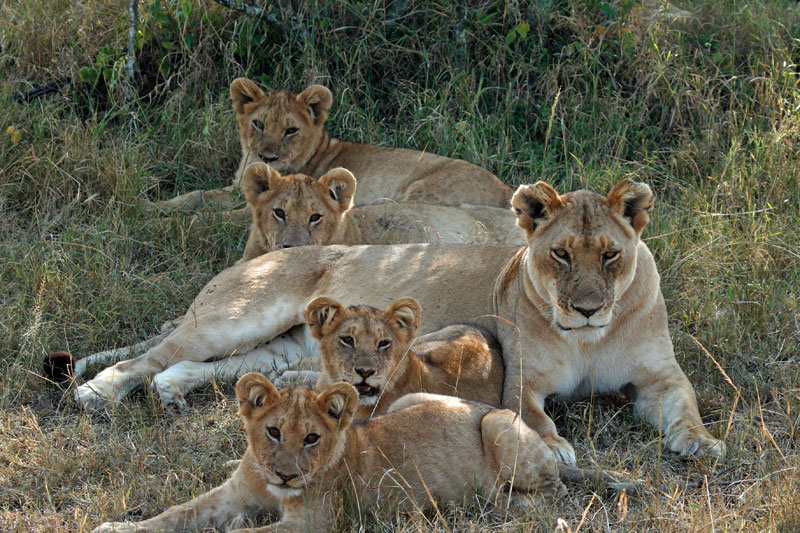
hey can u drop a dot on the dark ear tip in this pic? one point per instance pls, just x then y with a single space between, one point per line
59 366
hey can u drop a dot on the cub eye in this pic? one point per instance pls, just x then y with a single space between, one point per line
383 344
610 255
291 131
310 439
280 214
560 254
274 432
314 218
347 340
257 124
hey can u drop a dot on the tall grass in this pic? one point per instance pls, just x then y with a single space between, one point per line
702 106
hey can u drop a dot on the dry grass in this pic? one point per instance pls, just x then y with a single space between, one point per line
702 109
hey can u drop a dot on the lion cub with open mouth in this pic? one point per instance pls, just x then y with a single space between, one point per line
297 210
303 448
376 351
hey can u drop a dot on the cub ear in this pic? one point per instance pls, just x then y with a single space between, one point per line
341 185
404 315
320 314
633 201
318 99
258 178
254 390
244 91
340 401
534 204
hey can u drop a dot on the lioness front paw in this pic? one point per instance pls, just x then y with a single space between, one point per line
170 395
562 449
90 398
687 439
118 527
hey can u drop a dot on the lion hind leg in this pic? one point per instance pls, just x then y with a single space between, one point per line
223 198
519 455
118 354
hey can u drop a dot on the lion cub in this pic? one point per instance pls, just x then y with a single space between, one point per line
303 448
372 349
297 210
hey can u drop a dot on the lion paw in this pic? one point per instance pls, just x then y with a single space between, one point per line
90 398
694 440
170 395
118 527
562 449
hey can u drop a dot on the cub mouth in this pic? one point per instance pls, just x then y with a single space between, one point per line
364 389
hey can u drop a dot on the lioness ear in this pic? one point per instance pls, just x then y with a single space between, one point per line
533 204
244 91
340 400
633 201
341 185
254 390
404 314
318 99
320 314
258 178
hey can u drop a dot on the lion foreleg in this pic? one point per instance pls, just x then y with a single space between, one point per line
667 400
223 198
212 509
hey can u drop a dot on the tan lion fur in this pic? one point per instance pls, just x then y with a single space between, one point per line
304 449
297 210
578 311
287 130
379 353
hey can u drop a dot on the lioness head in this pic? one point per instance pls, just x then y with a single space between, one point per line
280 128
297 210
363 345
294 433
583 249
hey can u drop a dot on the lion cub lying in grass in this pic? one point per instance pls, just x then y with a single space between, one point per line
298 210
372 349
287 130
303 449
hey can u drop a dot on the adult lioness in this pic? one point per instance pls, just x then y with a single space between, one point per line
578 310
287 130
303 448
376 351
297 210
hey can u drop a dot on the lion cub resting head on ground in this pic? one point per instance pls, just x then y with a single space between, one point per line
372 349
297 210
303 449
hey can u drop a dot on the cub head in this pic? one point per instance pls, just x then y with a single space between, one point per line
297 210
363 345
280 128
295 434
583 249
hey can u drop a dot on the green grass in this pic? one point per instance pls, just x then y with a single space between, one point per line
703 109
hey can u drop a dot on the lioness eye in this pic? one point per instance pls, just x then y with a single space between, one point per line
310 439
291 131
560 254
315 217
610 255
257 124
347 341
274 432
280 214
383 344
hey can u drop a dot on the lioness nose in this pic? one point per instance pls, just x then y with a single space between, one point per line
288 245
586 312
285 477
364 373
268 158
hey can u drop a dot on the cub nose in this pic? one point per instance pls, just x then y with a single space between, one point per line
364 373
587 312
267 158
285 477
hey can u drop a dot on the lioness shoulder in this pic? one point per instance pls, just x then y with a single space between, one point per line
378 352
